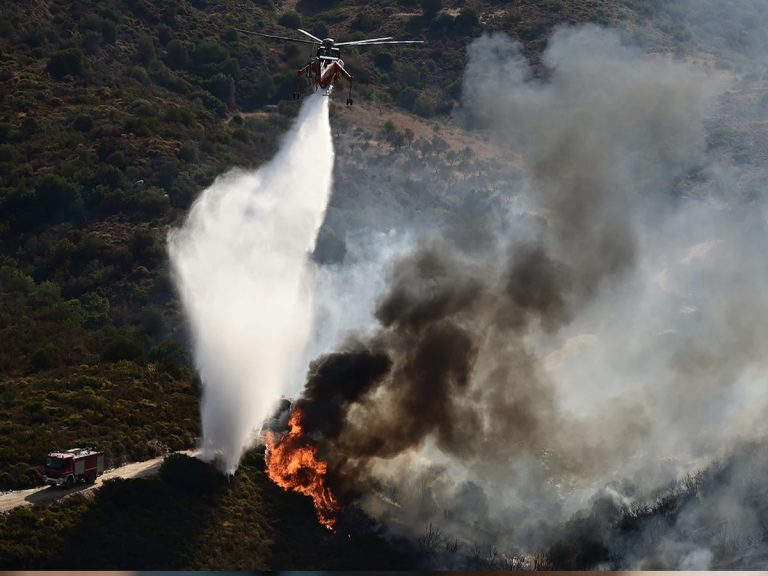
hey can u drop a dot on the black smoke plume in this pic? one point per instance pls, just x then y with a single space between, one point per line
600 342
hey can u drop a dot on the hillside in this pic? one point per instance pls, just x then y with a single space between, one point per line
189 517
115 115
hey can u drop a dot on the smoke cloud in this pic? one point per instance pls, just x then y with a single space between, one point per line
240 263
530 389
735 32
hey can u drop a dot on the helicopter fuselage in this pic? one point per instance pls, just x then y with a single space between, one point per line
326 67
326 72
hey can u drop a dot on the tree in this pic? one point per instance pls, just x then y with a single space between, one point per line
397 140
383 60
290 20
223 87
29 126
431 7
56 194
441 25
439 145
407 98
177 55
83 122
320 30
429 541
165 34
466 21
145 50
109 31
364 22
424 107
409 74
210 51
66 62
409 136
123 345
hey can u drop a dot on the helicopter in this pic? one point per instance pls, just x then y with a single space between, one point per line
326 68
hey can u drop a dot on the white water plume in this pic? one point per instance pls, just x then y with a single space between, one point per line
241 266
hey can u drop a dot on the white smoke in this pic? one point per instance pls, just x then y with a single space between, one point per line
658 370
241 266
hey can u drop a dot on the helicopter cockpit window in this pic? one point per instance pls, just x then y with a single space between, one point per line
335 52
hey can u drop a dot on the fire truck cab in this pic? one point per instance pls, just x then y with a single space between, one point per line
71 466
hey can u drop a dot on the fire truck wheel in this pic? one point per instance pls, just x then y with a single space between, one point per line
70 481
90 479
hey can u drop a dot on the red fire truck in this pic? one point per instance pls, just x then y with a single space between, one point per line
76 465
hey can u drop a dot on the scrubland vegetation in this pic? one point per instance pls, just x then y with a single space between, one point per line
189 517
114 115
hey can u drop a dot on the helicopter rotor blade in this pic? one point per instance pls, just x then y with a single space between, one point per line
347 74
315 38
386 42
351 42
275 37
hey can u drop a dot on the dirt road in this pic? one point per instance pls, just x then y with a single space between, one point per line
47 494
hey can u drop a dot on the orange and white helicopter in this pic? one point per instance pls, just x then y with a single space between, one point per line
326 67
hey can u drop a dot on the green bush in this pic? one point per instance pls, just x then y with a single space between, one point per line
123 345
83 122
45 357
383 60
407 98
173 359
189 151
320 30
164 34
143 108
364 22
431 7
138 73
441 26
177 54
466 21
7 153
56 195
90 41
223 87
191 474
409 74
29 126
290 19
66 62
145 50
208 52
109 31
424 107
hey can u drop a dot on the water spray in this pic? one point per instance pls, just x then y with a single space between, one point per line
241 265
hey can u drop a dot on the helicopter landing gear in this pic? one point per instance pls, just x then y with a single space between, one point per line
349 96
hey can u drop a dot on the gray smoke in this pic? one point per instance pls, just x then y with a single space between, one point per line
533 389
731 35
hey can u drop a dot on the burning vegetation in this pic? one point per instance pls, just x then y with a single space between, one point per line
293 464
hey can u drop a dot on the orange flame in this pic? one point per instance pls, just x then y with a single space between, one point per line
292 464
